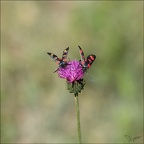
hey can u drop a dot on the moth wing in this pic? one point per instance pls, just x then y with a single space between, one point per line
90 59
65 54
54 57
81 55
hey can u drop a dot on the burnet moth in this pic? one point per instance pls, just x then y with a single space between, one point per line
86 62
62 62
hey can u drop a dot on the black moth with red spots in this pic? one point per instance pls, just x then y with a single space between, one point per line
86 63
62 62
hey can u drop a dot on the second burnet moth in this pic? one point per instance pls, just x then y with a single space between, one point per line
86 62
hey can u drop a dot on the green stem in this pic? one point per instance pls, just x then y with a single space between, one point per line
78 118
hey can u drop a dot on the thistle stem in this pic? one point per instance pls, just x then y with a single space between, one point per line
78 118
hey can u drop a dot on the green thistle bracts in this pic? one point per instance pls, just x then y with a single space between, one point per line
76 87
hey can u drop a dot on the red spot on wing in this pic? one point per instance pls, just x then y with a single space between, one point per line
64 59
57 62
81 51
92 57
82 62
88 65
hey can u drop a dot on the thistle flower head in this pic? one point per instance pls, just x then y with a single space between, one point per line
72 72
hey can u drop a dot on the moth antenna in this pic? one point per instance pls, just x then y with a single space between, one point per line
89 77
55 70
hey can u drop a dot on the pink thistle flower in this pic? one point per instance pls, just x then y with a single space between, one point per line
72 72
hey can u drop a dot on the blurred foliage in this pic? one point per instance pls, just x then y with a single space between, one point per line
35 105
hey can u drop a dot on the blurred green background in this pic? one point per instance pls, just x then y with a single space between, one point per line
35 105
